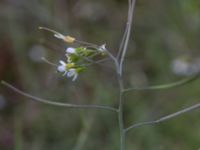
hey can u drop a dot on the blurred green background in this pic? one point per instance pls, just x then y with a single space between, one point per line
164 47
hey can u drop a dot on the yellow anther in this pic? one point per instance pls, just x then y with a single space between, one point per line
69 39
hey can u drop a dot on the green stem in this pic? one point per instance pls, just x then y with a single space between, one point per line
120 113
121 124
165 86
165 118
53 103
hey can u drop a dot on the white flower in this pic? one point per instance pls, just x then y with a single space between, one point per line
71 50
59 36
102 48
62 67
72 73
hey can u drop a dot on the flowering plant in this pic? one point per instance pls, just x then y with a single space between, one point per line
77 59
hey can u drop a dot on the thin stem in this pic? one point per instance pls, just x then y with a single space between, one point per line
165 86
125 33
58 103
129 26
48 62
165 118
98 62
50 30
87 44
119 66
61 36
102 60
122 43
120 107
120 116
111 56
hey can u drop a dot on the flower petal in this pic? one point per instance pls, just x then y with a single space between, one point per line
61 68
71 50
62 63
59 36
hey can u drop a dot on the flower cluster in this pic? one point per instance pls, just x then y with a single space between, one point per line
77 59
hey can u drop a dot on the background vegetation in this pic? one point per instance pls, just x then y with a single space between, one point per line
164 32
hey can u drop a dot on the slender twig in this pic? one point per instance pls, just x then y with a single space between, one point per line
165 86
119 66
50 30
165 118
87 44
98 62
120 113
102 60
48 62
45 101
129 26
122 43
124 34
111 56
75 40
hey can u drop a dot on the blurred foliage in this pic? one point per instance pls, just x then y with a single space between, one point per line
163 31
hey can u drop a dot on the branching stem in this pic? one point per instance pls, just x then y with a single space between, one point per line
119 67
165 118
58 103
165 86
